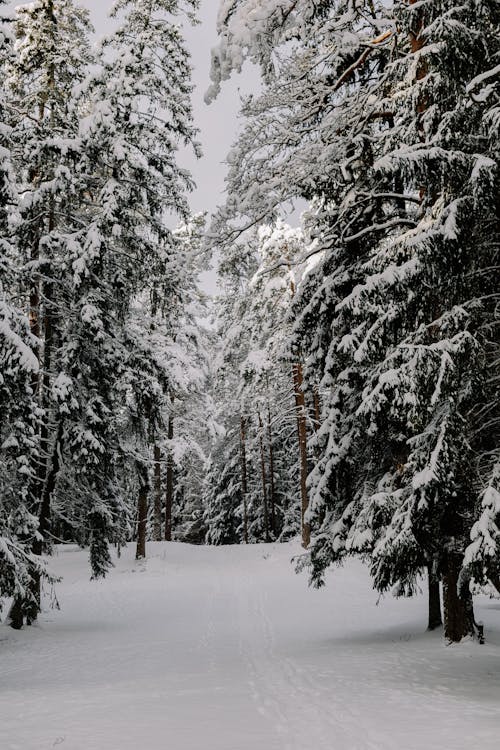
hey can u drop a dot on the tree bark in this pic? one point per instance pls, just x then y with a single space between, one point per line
142 515
244 484
417 42
157 519
33 608
272 483
302 437
458 607
264 480
15 618
435 620
169 501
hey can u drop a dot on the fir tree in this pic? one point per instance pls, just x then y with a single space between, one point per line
18 367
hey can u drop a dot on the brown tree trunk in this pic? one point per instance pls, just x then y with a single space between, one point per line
264 480
317 408
316 419
142 515
302 436
435 620
244 485
157 519
458 608
169 497
417 42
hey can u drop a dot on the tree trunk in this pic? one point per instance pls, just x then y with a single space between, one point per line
170 483
244 486
272 484
316 419
435 620
417 42
264 480
458 608
34 607
157 519
302 436
142 515
317 408
15 618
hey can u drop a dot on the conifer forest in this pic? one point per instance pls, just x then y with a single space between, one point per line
249 440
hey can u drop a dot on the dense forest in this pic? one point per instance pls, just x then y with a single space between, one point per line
343 385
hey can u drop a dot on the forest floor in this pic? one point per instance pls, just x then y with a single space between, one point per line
226 648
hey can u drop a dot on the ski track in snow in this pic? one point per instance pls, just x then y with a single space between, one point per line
227 649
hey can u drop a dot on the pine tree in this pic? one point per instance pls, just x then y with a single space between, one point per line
18 367
52 53
258 452
138 112
421 322
370 113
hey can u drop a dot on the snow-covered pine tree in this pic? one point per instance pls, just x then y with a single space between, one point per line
223 492
254 390
18 366
185 445
482 555
423 319
269 373
381 111
312 134
139 111
229 478
52 53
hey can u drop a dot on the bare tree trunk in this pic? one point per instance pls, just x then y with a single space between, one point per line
170 483
302 436
244 484
272 484
157 496
417 42
458 607
435 620
142 514
316 419
317 408
15 618
44 521
264 480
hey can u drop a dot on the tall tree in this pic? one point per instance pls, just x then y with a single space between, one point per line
52 54
18 368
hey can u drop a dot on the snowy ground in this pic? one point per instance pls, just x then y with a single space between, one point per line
227 649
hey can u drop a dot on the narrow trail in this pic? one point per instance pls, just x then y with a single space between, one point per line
227 649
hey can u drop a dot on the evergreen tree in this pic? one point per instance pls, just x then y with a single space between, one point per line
52 54
138 112
422 322
368 113
18 367
254 391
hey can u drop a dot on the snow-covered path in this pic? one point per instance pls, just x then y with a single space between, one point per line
227 649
